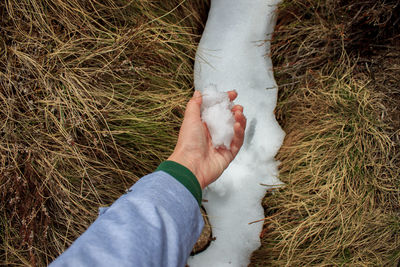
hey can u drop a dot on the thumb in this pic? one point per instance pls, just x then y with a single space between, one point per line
194 105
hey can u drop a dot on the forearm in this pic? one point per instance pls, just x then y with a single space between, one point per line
155 224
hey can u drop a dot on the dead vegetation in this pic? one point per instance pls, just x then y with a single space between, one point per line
337 66
91 97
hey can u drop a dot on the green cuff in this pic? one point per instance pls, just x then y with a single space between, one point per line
184 176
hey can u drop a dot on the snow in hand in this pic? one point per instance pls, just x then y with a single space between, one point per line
216 113
233 54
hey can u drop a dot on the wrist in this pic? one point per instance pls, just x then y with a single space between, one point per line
188 164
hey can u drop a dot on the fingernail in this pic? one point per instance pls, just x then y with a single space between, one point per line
196 93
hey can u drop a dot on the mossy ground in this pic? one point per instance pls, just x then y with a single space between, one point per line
92 94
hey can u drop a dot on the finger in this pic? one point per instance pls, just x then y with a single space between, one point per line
194 105
232 95
237 107
239 131
197 97
239 117
238 138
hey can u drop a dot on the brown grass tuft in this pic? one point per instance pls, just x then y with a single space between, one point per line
91 97
340 159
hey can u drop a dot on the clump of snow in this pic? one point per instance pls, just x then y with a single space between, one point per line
216 113
233 54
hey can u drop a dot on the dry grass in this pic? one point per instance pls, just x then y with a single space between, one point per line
91 98
336 64
92 93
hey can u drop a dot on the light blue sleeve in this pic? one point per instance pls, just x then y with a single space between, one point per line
155 224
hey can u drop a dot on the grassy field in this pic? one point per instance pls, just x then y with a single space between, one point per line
92 95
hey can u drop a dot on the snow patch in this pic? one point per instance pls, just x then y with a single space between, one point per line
216 113
234 54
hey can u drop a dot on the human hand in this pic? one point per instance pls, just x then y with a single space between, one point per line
194 148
